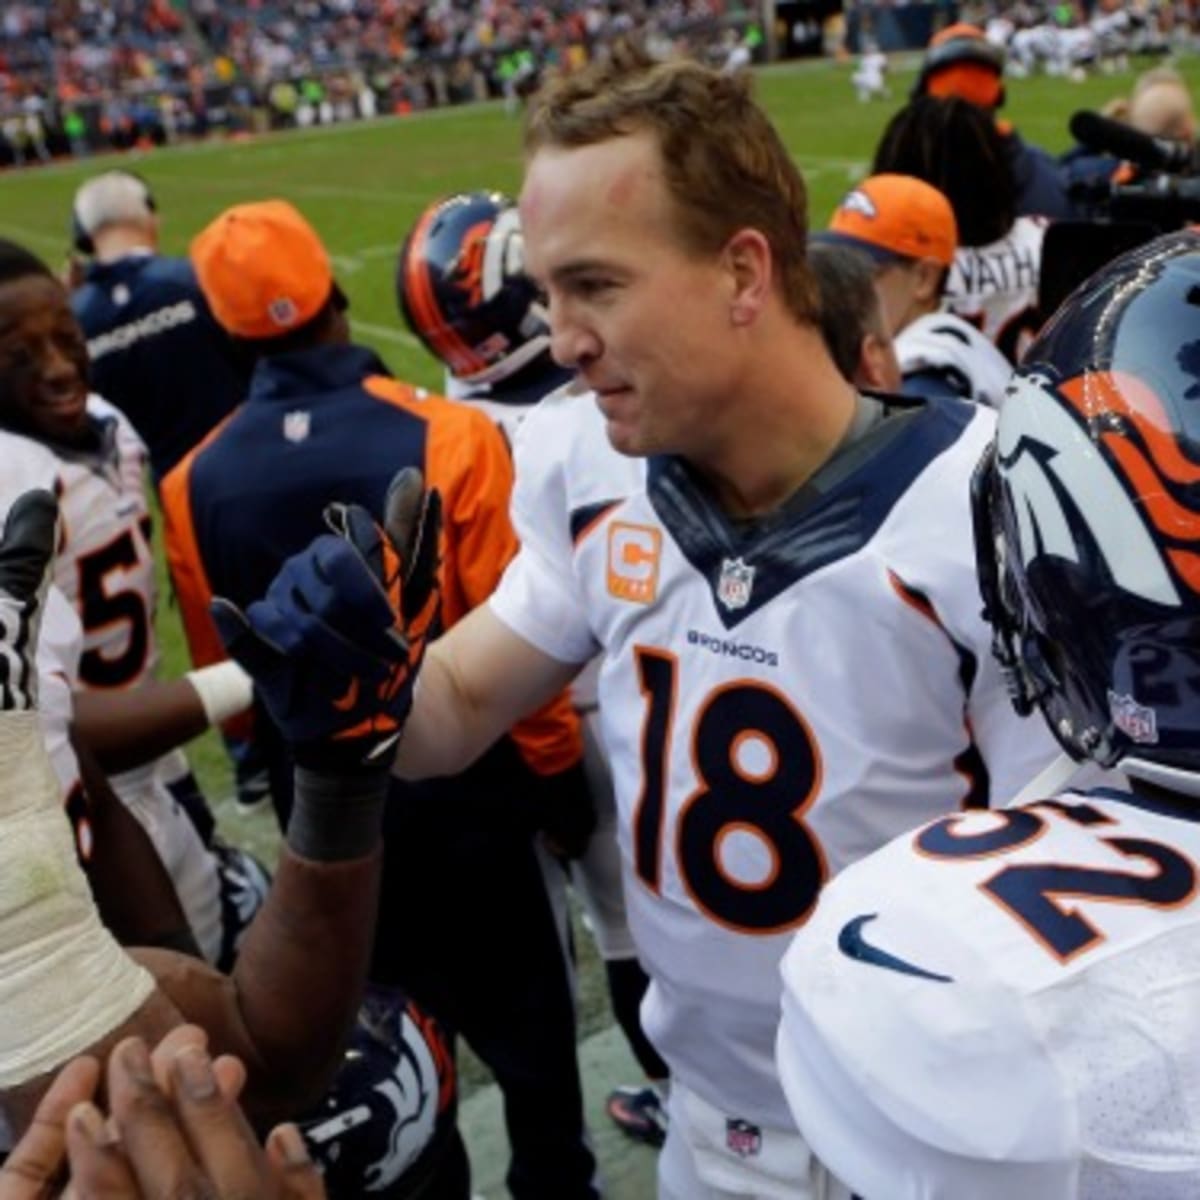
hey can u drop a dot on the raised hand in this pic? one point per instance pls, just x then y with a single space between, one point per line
335 645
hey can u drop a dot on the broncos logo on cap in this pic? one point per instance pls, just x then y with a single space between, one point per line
858 201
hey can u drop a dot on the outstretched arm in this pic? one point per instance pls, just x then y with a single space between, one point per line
477 681
125 729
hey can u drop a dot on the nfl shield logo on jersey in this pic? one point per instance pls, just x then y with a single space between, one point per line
735 584
743 1138
296 425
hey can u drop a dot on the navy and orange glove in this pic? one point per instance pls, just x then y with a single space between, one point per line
335 645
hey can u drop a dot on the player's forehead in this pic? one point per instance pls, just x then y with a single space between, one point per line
592 202
31 297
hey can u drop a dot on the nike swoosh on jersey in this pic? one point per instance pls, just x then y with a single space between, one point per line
853 945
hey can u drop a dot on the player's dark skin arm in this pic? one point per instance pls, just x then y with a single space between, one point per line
291 1000
126 729
134 893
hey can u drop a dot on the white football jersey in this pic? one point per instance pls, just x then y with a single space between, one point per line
105 569
995 287
948 345
1007 1004
777 700
105 565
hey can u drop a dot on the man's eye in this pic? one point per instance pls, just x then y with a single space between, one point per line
594 287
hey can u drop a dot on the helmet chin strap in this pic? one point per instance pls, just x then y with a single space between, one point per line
1174 779
1049 781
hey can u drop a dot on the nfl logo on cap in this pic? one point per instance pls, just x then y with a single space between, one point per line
283 311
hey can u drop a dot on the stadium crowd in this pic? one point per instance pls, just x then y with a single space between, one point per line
78 76
736 556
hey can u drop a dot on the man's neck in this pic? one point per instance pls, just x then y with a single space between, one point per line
119 242
792 413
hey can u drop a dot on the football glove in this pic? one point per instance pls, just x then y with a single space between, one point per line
335 645
26 562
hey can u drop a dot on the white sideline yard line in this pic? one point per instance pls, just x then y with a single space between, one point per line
351 261
385 333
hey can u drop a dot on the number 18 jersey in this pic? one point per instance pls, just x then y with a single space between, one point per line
777 698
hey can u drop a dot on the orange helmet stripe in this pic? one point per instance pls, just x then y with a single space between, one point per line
418 289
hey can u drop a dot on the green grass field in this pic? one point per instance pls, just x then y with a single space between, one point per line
363 185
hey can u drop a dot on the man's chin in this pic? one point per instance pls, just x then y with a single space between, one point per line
626 441
63 425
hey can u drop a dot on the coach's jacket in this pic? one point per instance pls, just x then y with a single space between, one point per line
330 423
157 353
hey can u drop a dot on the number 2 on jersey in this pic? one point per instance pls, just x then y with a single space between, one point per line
766 804
1038 894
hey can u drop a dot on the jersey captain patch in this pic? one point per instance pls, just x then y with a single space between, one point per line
633 558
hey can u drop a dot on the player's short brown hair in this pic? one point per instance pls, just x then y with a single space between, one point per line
725 165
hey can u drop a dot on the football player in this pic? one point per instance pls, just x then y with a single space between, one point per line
1008 1003
776 570
57 436
461 287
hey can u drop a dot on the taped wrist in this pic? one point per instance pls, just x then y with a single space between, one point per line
224 690
337 817
64 981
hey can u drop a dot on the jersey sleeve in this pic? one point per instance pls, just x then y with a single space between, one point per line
911 1071
539 597
60 641
24 465
938 561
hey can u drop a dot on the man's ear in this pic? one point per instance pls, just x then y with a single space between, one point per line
878 367
929 273
747 256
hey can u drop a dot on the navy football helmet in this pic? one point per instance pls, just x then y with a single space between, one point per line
1087 518
462 288
391 1108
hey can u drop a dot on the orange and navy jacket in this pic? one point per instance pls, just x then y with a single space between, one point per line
330 423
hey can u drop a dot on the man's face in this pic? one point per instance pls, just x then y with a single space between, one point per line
643 320
43 361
